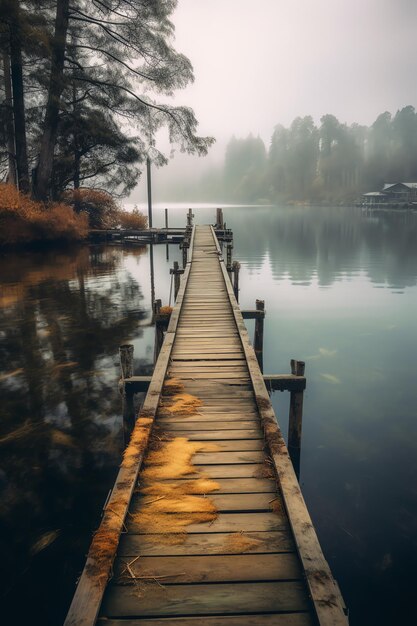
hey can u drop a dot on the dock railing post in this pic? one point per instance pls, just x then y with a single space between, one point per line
295 420
235 270
176 279
190 216
219 219
159 331
229 248
184 253
258 342
126 371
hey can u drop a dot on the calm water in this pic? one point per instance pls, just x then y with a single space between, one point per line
341 293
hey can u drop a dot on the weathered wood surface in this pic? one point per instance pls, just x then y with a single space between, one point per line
206 579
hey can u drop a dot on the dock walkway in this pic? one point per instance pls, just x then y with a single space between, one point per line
256 560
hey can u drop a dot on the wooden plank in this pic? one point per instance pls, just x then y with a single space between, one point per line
221 435
203 543
209 416
210 569
233 485
277 619
223 458
229 523
206 599
238 364
188 425
224 503
238 445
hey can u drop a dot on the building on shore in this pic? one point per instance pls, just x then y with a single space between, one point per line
392 196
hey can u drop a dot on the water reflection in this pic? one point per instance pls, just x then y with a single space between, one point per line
62 318
308 243
340 291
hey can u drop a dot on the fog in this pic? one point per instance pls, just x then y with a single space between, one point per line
261 64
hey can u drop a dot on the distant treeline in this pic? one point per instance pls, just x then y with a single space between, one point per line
332 162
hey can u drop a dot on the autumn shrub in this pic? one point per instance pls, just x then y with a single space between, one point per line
23 220
134 220
99 206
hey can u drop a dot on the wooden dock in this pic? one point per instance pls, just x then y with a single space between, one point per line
148 235
256 560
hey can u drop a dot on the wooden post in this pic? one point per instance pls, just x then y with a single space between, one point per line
259 334
148 172
177 279
229 248
295 420
185 245
219 219
190 218
126 371
159 331
166 226
235 270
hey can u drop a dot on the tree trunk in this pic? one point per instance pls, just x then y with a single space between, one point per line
18 99
9 125
56 85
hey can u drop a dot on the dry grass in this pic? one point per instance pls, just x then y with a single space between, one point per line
266 471
151 521
168 508
238 543
276 506
172 387
172 460
23 220
198 486
137 442
181 404
25 430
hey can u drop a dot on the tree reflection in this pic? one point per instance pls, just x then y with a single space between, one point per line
60 328
329 243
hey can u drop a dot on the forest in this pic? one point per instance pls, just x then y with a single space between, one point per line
84 86
328 163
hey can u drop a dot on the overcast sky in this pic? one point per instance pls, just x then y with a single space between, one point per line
259 63
264 62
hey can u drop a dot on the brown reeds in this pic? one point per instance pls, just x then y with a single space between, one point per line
172 459
181 404
168 508
238 543
172 387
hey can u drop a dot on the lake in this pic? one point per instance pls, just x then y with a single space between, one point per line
340 291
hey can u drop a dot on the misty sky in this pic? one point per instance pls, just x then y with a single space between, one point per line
257 64
261 63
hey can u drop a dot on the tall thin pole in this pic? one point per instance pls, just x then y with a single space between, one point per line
152 274
148 173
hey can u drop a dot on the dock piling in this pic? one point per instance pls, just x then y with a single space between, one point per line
235 271
259 334
229 248
219 219
177 273
295 419
159 330
128 407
